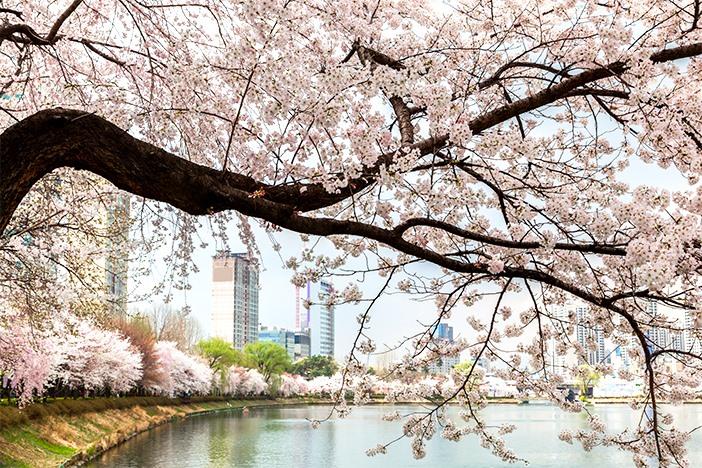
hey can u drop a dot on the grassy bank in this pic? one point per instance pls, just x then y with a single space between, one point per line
63 433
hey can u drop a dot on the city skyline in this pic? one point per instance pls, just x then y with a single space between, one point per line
234 313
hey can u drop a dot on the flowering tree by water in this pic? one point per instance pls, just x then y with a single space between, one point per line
29 360
182 374
489 139
96 359
67 354
246 382
293 385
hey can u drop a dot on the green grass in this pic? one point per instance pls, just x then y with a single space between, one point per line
20 436
49 447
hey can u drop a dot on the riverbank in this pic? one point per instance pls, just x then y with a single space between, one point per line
66 433
63 434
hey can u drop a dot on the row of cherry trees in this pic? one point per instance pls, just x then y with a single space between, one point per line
473 153
75 357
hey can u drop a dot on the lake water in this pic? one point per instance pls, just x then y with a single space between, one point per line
282 437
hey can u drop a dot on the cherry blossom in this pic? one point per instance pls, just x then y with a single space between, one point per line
182 374
471 153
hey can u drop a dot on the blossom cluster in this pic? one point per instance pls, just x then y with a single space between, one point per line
491 140
76 357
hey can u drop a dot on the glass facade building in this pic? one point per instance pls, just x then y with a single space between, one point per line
443 335
320 319
297 344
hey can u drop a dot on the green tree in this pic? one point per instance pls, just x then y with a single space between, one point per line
315 366
586 377
220 355
270 359
463 369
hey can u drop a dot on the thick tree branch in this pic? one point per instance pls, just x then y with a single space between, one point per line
21 33
404 120
57 138
51 36
564 88
603 249
69 138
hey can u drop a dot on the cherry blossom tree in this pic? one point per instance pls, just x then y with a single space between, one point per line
246 382
139 333
29 359
490 139
67 353
292 385
182 374
99 360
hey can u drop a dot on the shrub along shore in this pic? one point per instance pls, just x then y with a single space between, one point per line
65 433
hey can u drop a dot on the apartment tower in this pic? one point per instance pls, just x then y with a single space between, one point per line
234 298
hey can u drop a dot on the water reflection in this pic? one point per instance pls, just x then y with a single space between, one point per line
280 437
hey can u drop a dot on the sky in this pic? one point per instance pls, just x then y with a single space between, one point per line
394 316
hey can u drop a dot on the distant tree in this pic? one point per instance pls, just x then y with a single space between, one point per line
141 336
176 325
270 359
586 377
246 382
97 360
315 366
182 374
220 355
466 369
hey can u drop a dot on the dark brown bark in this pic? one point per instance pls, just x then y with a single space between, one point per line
57 138
69 138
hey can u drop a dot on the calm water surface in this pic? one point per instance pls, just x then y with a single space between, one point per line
281 437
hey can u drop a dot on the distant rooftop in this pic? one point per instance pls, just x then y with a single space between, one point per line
229 254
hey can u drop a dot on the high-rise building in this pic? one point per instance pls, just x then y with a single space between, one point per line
667 337
386 361
302 345
586 334
444 331
102 274
296 343
443 335
317 319
560 357
116 262
282 337
693 334
234 298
